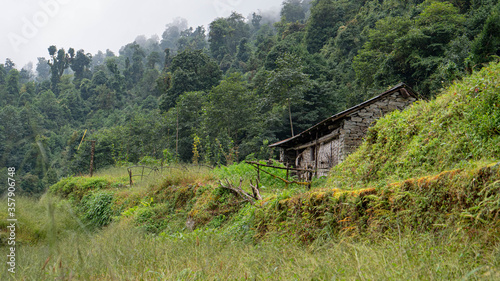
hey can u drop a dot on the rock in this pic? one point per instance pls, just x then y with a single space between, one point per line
366 114
395 103
377 104
190 224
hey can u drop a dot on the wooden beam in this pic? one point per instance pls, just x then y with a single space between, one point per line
316 154
323 139
288 182
276 167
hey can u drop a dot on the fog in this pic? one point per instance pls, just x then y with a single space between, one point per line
28 29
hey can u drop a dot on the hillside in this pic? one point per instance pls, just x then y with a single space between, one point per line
436 216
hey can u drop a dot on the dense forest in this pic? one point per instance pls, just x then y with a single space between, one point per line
222 93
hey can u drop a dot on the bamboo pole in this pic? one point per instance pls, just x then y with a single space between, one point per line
177 135
290 115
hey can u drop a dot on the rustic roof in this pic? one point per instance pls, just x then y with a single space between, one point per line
306 135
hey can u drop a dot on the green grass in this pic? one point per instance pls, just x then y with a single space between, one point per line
260 242
121 252
37 218
263 242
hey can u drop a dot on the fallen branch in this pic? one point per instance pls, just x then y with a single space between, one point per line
240 192
255 191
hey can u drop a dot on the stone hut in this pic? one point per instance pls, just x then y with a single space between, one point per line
328 143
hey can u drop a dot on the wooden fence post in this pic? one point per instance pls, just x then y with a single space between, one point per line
130 176
316 150
287 171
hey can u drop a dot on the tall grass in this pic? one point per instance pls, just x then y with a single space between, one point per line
56 245
37 218
176 174
186 175
121 252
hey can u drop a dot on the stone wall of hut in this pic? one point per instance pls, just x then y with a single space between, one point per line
357 123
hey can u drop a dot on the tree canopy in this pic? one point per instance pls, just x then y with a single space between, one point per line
233 87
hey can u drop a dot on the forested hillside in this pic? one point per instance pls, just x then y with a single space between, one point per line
220 94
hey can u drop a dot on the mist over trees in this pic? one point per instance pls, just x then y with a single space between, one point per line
234 86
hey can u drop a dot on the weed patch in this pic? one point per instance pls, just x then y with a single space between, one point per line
96 208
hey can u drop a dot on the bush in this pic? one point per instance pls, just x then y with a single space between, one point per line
96 208
77 187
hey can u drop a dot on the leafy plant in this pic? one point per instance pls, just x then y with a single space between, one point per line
96 208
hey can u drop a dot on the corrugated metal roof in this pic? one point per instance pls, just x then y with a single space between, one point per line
342 114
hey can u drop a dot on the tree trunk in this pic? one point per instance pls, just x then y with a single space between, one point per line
290 115
177 135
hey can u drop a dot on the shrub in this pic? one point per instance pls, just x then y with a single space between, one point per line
96 208
77 187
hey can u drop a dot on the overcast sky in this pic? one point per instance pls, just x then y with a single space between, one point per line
29 27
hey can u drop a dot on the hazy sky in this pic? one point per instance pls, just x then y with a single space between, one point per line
29 27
